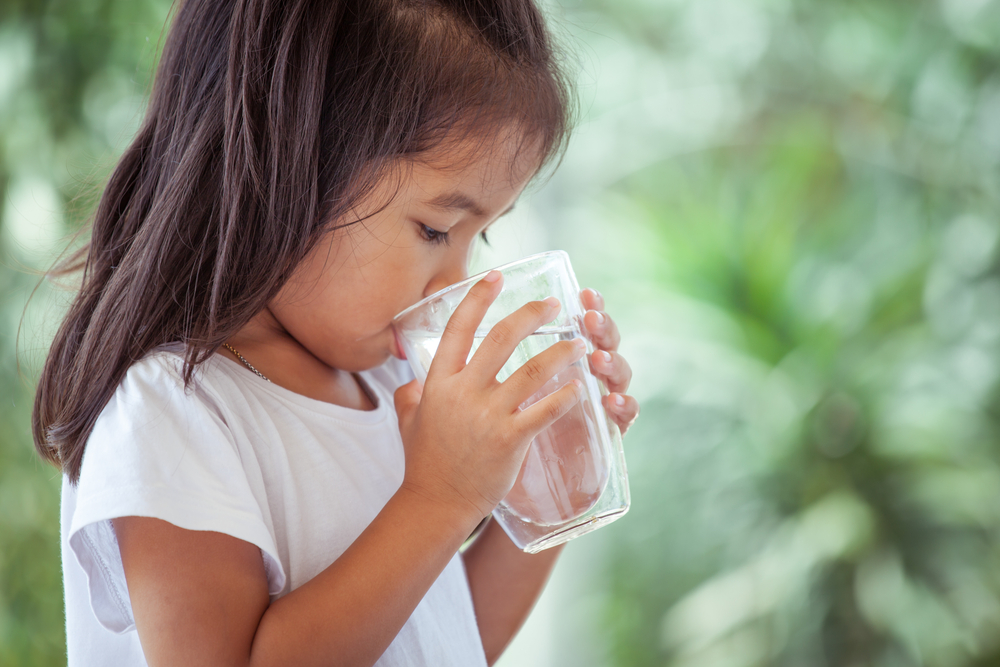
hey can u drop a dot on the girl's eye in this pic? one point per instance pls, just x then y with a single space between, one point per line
433 235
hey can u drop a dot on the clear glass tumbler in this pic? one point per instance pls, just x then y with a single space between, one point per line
573 479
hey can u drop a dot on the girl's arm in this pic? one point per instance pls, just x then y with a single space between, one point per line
200 598
505 582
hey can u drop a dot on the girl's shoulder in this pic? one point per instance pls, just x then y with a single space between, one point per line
163 366
154 413
158 377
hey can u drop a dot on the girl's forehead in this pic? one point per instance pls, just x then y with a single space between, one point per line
503 163
482 187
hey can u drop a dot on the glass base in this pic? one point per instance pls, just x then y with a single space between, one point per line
568 533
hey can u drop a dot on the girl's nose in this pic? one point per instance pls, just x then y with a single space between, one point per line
456 272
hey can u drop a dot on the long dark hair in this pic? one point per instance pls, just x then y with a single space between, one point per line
268 120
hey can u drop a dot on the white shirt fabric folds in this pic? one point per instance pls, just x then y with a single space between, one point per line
298 478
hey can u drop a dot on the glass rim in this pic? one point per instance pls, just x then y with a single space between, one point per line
479 276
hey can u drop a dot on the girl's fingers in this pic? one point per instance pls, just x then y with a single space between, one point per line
592 299
622 409
539 370
456 341
612 369
602 330
547 411
508 333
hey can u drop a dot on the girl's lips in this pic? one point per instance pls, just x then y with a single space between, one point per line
397 350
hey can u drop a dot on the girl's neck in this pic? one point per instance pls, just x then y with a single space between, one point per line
287 363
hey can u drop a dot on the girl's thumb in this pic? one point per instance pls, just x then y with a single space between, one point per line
407 398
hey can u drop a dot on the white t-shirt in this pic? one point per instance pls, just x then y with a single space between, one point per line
298 478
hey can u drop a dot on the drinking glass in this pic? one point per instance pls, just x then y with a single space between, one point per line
573 479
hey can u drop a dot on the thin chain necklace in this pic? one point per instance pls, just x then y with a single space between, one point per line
364 387
241 358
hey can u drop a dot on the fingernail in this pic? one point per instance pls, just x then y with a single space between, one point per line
606 357
620 401
579 387
600 317
492 276
580 343
552 302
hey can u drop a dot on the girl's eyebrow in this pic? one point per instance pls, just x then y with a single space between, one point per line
460 201
456 200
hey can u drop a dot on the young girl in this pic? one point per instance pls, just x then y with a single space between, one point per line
252 476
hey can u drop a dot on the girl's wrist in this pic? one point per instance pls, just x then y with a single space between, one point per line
462 516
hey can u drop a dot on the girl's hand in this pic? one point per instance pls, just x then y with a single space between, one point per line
609 366
464 434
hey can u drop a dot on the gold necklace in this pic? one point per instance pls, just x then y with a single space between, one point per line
247 363
364 387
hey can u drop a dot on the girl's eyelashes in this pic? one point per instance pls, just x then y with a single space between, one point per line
432 235
435 236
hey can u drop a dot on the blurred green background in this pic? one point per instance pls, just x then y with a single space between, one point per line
792 208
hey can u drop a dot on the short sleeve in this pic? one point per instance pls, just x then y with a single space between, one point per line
160 451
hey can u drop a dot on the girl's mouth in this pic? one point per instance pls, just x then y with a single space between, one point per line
397 350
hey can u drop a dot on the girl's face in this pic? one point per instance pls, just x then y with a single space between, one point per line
341 299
